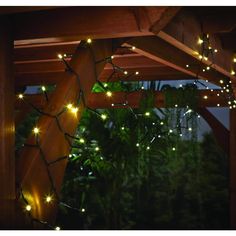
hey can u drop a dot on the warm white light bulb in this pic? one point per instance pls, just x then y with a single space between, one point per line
104 116
109 93
43 88
28 207
89 40
20 96
36 130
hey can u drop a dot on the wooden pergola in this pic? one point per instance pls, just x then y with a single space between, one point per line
161 43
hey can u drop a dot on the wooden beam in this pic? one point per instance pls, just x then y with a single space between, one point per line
7 127
183 33
159 50
44 51
76 23
232 168
220 132
31 169
100 100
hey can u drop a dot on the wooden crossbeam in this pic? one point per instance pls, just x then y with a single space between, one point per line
100 100
159 50
32 172
76 23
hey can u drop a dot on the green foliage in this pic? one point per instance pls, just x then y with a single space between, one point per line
123 186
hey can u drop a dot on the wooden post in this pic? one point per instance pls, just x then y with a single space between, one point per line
7 102
232 168
32 172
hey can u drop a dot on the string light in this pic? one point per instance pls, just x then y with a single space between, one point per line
109 93
125 72
176 105
105 85
133 48
161 123
215 50
28 207
221 81
148 148
81 140
104 116
232 72
136 73
89 40
36 130
218 104
189 129
122 127
142 87
200 41
20 96
57 228
187 65
97 148
59 56
43 88
234 60
173 149
170 131
137 144
200 56
48 199
208 68
83 210
69 106
147 113
205 97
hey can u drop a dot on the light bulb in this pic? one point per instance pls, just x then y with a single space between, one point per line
59 56
109 93
173 149
200 41
187 66
147 113
137 144
57 228
28 207
148 148
205 97
96 148
81 140
83 210
136 73
36 130
89 40
48 199
43 88
104 116
20 96
133 48
125 72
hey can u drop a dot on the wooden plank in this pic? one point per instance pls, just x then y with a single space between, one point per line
100 100
31 169
7 127
44 51
76 23
220 132
159 50
232 168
